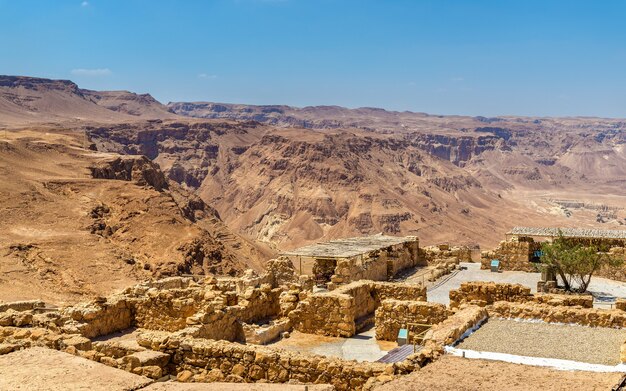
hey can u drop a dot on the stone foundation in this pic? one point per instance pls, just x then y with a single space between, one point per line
208 361
442 253
262 335
452 329
337 313
486 293
558 314
392 315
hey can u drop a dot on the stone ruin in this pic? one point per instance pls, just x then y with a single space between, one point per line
212 329
444 259
376 257
215 329
517 252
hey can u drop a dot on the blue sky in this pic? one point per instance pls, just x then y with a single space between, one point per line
447 57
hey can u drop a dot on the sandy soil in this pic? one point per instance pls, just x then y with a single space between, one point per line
50 370
361 347
596 345
461 374
45 369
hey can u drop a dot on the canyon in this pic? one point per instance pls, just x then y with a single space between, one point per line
216 188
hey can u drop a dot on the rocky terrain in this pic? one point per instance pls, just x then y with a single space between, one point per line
79 222
211 188
35 100
531 164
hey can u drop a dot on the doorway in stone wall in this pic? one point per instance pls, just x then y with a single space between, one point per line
323 270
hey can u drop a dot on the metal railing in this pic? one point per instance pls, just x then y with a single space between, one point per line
420 335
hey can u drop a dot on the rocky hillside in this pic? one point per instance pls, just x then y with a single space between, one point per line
290 176
80 222
290 186
535 151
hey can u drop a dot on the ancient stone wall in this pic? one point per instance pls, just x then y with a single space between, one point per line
513 255
338 312
179 305
175 309
281 271
379 265
129 357
100 317
169 309
452 328
392 315
584 300
485 293
327 313
399 291
14 338
214 323
620 304
262 335
355 269
437 254
365 300
206 360
403 257
559 314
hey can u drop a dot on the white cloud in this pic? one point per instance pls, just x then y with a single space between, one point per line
84 4
91 72
206 76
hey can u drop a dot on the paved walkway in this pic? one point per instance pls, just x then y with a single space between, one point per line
599 287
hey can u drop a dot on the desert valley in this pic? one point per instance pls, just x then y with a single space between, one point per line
200 245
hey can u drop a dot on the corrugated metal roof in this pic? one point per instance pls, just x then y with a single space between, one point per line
349 247
570 232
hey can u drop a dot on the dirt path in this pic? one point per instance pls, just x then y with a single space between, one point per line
462 374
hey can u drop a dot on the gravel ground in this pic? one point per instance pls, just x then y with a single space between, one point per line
595 345
463 374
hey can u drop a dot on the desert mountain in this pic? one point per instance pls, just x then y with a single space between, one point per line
118 178
136 105
37 100
538 164
80 222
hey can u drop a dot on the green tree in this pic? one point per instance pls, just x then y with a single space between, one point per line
575 264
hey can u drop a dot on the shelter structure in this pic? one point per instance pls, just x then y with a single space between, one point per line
522 248
609 237
376 257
